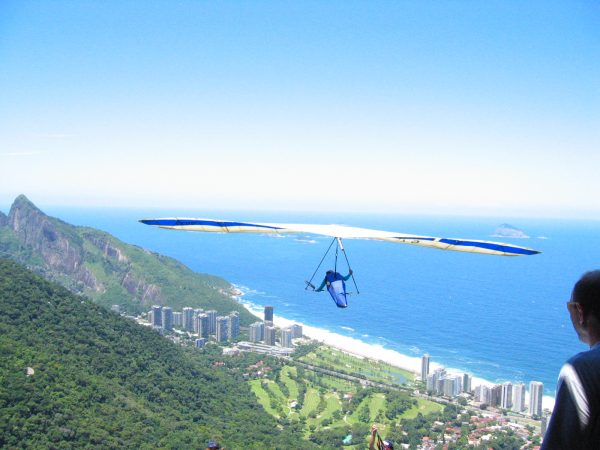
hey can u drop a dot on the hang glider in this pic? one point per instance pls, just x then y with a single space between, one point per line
341 232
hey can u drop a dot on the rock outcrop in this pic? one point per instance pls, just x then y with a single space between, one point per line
506 230
55 241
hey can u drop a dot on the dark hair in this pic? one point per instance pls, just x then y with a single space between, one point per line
587 292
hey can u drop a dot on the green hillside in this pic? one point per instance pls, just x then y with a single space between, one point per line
74 375
94 263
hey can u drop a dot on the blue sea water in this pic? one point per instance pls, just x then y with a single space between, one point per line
498 318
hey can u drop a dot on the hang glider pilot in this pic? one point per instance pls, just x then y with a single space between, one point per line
336 286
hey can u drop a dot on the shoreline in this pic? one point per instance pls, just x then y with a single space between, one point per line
378 352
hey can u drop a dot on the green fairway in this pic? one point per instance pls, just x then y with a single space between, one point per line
376 404
263 397
333 404
311 401
424 407
276 390
291 384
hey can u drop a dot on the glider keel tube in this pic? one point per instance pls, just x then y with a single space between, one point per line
342 232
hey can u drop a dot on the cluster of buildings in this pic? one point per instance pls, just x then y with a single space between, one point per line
506 396
265 331
203 323
263 335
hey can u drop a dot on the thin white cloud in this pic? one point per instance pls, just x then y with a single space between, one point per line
56 135
31 153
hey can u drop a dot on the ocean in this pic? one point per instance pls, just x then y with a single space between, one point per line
497 318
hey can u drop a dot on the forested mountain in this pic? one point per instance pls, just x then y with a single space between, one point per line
94 263
74 375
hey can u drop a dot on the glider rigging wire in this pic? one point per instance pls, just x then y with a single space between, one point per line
339 246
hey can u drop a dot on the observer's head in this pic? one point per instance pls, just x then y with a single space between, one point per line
584 307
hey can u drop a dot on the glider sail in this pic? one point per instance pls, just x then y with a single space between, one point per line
342 232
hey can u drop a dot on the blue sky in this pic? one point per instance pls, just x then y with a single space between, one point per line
483 108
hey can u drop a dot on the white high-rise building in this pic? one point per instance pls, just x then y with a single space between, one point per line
447 387
286 338
257 332
536 393
518 397
269 335
431 382
296 331
484 395
188 319
434 381
197 312
507 395
458 385
424 367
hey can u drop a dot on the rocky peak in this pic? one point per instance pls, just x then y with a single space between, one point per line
3 219
22 202
56 242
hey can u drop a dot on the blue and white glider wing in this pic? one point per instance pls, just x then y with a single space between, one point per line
341 231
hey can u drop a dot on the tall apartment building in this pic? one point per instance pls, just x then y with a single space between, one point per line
202 326
197 312
448 387
495 395
269 335
167 318
212 321
296 331
177 319
269 314
286 338
458 385
506 396
424 367
536 393
518 397
221 332
483 394
233 325
188 319
257 332
433 380
156 316
466 382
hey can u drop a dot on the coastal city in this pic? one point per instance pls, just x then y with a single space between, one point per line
491 407
199 326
